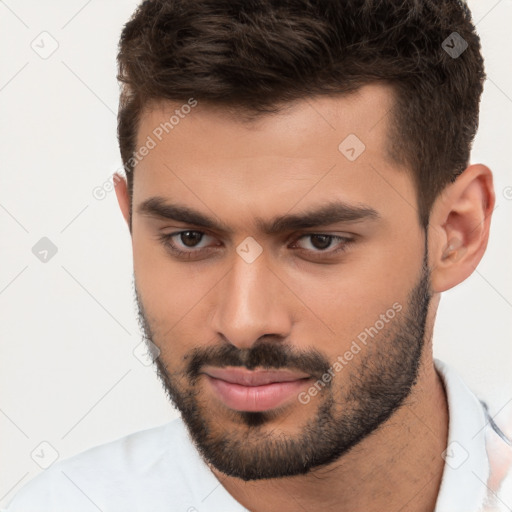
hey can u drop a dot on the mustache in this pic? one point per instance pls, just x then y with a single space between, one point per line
267 355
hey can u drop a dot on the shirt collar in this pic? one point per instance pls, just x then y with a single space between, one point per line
466 470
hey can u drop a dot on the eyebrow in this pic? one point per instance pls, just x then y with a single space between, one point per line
330 213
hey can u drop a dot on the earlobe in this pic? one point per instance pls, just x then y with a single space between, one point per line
459 227
123 197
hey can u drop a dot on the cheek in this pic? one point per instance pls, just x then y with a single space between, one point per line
343 302
341 315
174 297
169 289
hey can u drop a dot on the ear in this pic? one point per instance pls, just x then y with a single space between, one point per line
123 198
459 227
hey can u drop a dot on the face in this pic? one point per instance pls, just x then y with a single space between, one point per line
281 270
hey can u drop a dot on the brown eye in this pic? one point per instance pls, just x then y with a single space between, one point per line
190 238
185 244
319 243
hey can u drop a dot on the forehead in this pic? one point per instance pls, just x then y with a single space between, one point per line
312 151
299 125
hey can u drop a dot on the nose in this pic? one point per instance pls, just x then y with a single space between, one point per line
251 302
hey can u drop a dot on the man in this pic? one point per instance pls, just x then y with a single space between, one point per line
299 194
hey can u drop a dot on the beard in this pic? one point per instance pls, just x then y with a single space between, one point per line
351 406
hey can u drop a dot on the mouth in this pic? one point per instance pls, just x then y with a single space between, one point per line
254 391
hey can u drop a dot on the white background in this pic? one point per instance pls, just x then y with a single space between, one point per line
68 327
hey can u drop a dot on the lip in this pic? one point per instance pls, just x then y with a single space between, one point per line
257 390
253 377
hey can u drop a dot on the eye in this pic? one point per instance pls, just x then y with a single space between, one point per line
320 243
184 243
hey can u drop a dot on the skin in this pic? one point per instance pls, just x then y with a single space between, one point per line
235 172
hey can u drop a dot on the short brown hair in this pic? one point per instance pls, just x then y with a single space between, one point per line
253 55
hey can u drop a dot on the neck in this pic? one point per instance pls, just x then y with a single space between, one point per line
399 466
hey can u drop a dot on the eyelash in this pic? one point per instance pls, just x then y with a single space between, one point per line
168 244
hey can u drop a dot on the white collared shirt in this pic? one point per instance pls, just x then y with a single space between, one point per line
477 475
160 469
